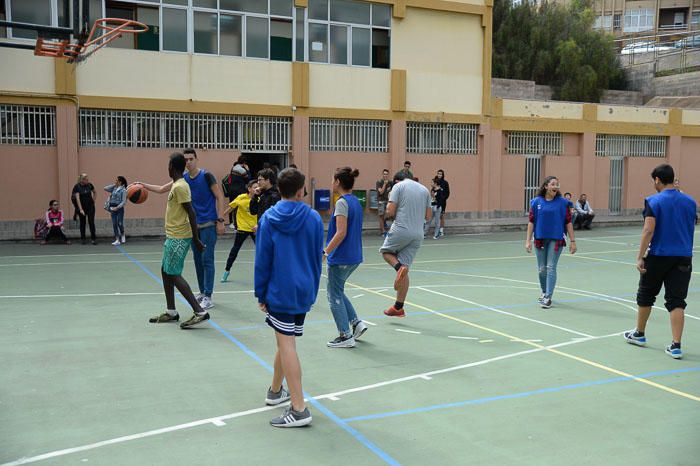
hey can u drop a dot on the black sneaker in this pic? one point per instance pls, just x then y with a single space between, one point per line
634 338
674 351
194 320
275 398
342 342
358 329
291 418
164 317
546 302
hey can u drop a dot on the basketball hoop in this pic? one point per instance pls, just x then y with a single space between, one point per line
104 31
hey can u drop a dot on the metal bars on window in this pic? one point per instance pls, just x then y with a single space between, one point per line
27 125
534 143
123 128
533 176
618 145
617 176
331 135
441 138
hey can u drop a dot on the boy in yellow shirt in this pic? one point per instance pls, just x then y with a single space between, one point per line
247 224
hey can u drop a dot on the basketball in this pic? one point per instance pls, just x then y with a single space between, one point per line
136 193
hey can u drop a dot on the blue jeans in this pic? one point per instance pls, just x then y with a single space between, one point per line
204 261
341 307
117 223
547 259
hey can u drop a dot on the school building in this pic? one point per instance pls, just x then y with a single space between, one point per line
317 83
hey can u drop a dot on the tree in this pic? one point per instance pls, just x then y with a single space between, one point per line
555 45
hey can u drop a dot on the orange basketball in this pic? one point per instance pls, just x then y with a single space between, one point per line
136 193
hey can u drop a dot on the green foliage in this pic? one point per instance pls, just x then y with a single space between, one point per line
555 45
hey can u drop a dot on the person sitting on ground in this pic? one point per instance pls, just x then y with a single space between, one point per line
572 210
585 214
54 223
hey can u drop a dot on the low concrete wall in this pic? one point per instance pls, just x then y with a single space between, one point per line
513 89
685 84
528 90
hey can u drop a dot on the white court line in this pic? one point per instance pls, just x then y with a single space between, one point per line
483 306
369 323
330 396
407 331
595 240
491 341
465 338
40 264
358 296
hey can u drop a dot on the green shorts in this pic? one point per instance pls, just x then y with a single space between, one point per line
174 253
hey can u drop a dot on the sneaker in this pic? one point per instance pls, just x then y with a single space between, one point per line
224 279
232 226
358 329
675 353
116 243
275 398
94 243
291 418
634 338
541 298
199 297
164 317
439 234
123 239
342 342
393 312
546 302
194 320
206 303
400 275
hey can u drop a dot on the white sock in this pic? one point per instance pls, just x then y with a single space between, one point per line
171 312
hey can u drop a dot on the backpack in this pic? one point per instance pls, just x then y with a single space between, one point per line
227 184
40 228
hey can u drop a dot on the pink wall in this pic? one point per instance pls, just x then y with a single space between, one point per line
461 171
370 165
30 181
571 144
104 164
638 183
512 183
601 194
689 171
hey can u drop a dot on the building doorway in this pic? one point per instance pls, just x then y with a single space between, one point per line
256 161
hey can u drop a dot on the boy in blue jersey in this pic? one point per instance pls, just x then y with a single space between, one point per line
665 256
288 258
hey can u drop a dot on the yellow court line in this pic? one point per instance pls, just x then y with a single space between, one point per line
535 345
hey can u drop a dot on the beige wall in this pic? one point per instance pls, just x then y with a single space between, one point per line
442 55
23 72
349 87
179 76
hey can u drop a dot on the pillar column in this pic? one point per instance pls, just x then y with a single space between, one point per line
67 152
397 145
300 148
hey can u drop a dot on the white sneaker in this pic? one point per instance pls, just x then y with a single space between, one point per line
123 239
358 329
199 297
116 242
206 303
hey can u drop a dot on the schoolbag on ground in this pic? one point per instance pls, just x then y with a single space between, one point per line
40 228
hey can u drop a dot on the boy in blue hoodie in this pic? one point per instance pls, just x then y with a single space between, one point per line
288 258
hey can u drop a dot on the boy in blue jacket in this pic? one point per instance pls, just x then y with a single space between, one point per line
288 257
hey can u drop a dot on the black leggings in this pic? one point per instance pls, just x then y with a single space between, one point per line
237 243
90 217
55 232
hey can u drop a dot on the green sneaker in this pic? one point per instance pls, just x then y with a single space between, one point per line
164 317
194 320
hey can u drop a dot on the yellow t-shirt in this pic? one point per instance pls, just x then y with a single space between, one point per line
177 223
244 219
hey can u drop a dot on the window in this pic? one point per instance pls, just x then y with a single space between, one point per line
27 125
169 129
534 143
617 19
3 17
30 11
174 29
281 39
348 135
695 18
617 145
441 138
256 37
349 32
206 28
639 20
231 35
603 22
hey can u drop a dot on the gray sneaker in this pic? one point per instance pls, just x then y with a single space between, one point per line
291 418
342 342
194 320
206 303
164 317
199 297
358 329
273 398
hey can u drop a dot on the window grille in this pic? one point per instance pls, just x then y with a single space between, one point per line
124 128
27 125
441 138
349 135
534 143
617 145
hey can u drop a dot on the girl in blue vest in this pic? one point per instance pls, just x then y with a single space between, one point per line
550 217
344 253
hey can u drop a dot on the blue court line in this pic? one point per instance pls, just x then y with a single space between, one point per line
316 404
517 395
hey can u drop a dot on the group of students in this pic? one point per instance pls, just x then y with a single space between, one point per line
664 257
83 198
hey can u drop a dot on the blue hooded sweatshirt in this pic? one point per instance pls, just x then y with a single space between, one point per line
288 257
